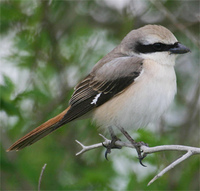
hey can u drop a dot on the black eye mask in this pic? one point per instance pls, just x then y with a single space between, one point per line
156 47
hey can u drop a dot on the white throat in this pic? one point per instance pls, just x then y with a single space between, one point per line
164 58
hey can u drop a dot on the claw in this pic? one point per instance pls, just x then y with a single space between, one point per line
140 160
140 156
111 146
108 151
106 154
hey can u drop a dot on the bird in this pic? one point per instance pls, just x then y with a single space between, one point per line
128 88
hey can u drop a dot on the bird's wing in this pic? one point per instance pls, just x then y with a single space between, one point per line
102 84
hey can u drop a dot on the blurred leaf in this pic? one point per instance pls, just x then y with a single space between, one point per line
6 92
10 15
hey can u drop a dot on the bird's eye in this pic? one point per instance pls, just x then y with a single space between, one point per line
157 46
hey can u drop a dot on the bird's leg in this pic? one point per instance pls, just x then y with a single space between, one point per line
111 145
137 145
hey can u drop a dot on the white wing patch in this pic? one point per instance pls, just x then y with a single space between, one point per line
94 101
142 71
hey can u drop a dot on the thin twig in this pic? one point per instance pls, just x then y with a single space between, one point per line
87 148
172 165
40 179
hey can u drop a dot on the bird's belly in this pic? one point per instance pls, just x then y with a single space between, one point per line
145 106
143 102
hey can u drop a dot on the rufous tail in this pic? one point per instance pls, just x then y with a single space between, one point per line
39 132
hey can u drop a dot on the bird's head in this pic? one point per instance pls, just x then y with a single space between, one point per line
153 42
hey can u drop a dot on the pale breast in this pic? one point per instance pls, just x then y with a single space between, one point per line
143 102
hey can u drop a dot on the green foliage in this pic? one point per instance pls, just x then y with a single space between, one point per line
7 104
53 45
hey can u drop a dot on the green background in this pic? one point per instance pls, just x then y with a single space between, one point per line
49 46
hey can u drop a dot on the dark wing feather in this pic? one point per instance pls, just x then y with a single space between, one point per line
107 81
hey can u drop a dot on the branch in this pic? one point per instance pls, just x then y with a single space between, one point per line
172 165
148 150
40 179
87 148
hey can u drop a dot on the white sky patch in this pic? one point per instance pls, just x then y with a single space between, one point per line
118 4
94 101
6 68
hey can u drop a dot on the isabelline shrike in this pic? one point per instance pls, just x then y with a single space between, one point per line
131 86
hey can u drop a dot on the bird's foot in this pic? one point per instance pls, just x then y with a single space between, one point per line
140 153
111 146
137 146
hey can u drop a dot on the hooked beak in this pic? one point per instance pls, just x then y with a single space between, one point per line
179 49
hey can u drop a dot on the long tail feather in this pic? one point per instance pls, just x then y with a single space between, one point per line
39 132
